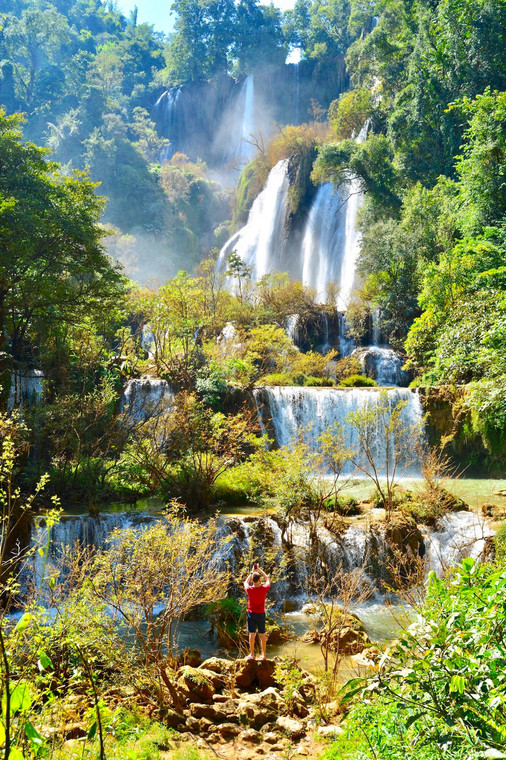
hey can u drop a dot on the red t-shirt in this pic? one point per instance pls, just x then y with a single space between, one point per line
256 597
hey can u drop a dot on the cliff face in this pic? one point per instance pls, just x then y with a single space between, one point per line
209 119
446 416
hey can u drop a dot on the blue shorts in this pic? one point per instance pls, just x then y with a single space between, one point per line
256 622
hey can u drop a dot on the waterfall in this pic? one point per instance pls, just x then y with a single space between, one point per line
167 108
259 242
296 69
26 388
352 240
382 364
243 126
458 535
310 412
72 531
358 547
324 240
331 241
146 397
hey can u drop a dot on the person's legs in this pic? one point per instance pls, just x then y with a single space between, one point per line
263 644
252 645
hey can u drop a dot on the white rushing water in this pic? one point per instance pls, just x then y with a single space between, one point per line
324 240
458 535
146 397
260 241
309 412
26 388
167 107
331 241
383 364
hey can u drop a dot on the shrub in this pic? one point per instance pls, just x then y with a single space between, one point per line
358 381
319 382
441 684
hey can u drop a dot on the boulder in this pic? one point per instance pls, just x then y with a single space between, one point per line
265 673
75 731
224 712
270 737
329 732
250 736
277 634
348 635
245 673
256 710
291 727
173 719
195 684
218 665
228 730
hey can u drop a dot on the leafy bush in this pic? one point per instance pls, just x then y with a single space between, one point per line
439 689
228 618
358 381
319 382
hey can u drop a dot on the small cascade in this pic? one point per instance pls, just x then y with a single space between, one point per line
382 364
298 549
26 388
260 241
309 412
459 535
292 327
146 397
71 532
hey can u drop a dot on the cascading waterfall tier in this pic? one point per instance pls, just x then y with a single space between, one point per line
298 547
243 150
309 412
330 243
26 388
383 364
146 397
260 242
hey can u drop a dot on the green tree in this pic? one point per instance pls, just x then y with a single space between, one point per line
52 263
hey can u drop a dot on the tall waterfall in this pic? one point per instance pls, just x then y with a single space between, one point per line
324 240
331 241
309 412
167 106
245 151
259 242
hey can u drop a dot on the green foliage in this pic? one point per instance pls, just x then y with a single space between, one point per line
348 115
439 688
58 272
358 381
228 618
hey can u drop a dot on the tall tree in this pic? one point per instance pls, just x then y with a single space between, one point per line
53 267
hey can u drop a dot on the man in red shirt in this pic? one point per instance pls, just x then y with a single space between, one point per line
256 589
